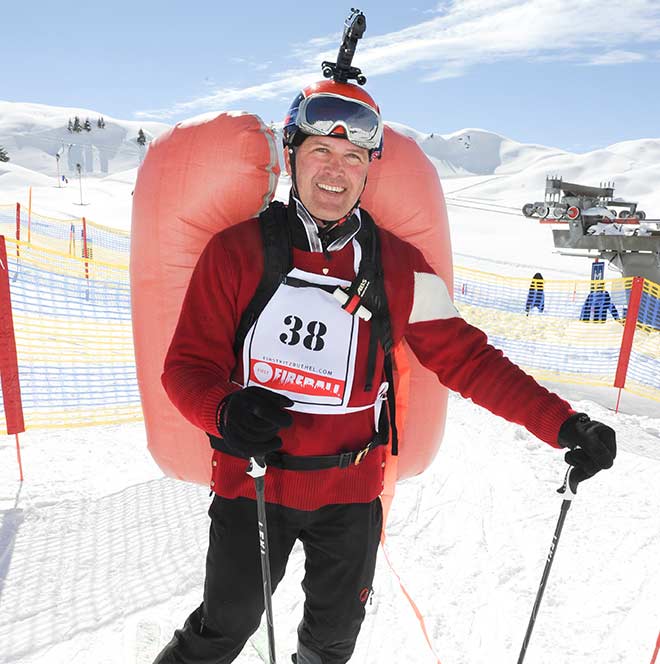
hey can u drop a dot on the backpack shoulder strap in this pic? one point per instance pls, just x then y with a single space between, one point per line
371 267
276 244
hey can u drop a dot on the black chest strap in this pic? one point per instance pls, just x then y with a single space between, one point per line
278 261
369 285
367 289
320 462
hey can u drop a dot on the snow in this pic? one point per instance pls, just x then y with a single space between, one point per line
101 557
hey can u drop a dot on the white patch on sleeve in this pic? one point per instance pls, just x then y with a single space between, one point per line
431 299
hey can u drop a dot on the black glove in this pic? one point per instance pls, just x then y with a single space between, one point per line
592 445
248 421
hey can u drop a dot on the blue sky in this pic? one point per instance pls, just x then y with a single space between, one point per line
575 74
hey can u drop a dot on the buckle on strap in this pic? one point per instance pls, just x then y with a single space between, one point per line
345 459
361 454
351 304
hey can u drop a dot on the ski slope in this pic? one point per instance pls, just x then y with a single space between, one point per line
101 557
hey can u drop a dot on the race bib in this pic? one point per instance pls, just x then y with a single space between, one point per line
303 345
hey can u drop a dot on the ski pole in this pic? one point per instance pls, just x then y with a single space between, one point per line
257 470
569 488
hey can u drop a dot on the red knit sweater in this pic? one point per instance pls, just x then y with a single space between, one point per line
201 367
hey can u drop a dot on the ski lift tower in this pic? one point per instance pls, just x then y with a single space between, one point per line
623 236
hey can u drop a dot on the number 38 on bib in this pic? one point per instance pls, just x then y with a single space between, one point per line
303 345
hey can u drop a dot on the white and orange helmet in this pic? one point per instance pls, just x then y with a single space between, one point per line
329 108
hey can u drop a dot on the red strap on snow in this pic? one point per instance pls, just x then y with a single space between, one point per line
418 613
402 398
402 395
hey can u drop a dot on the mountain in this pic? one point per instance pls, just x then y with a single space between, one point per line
473 163
634 166
475 151
33 134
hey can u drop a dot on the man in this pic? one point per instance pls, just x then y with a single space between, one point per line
315 329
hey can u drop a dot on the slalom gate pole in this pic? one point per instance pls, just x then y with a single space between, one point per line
18 456
569 488
257 470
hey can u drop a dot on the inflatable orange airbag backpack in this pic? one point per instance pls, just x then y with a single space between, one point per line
213 172
200 177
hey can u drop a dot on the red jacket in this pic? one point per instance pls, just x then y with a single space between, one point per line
201 367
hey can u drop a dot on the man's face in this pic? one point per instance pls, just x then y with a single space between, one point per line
330 175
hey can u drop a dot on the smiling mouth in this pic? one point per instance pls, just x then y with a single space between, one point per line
331 188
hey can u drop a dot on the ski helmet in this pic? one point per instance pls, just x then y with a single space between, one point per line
330 108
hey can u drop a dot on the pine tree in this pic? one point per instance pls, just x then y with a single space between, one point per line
141 139
100 123
3 154
77 127
88 125
70 125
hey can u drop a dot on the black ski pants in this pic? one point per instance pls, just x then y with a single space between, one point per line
340 544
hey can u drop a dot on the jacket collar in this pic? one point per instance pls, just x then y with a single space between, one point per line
307 235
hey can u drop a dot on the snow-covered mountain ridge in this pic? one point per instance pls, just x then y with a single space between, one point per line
477 168
33 134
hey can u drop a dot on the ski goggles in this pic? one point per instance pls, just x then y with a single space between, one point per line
321 114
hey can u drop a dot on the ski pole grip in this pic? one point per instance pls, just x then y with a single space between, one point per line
569 487
257 467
